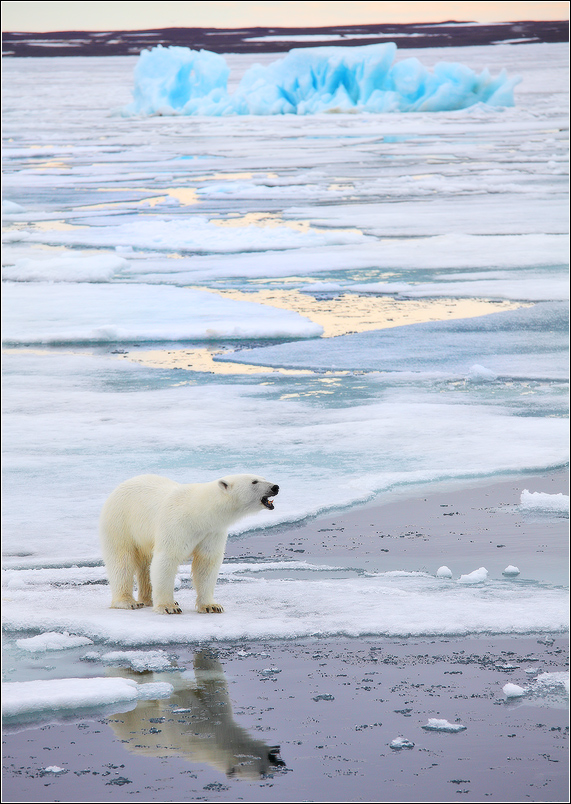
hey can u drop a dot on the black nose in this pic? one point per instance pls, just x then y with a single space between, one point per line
275 489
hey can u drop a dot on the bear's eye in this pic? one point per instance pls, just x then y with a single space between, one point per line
254 482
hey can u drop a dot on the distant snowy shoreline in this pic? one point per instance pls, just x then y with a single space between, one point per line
276 40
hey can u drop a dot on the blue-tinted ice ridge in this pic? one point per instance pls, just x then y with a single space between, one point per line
178 80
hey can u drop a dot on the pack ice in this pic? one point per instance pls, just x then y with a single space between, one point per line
178 80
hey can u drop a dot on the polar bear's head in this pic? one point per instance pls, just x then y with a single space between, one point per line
249 492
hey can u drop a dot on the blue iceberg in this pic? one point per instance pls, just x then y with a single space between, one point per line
177 80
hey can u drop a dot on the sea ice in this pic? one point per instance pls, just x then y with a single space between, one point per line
479 373
52 640
401 742
40 312
477 576
25 697
540 501
444 572
511 571
139 660
178 80
436 724
527 342
513 691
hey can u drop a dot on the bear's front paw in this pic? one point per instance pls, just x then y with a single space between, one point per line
168 608
210 608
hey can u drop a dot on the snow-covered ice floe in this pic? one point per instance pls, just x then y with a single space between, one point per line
25 698
540 501
441 724
269 600
177 80
547 689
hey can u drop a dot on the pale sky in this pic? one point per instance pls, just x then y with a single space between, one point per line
105 16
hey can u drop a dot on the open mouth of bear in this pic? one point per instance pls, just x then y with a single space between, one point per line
268 503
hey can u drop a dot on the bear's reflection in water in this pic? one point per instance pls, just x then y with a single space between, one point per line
196 722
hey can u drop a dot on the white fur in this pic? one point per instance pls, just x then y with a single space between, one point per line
150 525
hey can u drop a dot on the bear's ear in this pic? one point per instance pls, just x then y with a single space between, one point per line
223 484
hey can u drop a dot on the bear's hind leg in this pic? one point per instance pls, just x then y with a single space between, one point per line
121 571
144 588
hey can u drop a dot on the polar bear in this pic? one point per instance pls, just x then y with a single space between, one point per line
149 525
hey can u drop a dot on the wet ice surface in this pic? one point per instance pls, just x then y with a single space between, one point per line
330 711
109 221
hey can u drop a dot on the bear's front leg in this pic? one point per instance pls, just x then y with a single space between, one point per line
205 567
163 574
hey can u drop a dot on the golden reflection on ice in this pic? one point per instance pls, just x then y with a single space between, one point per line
350 312
202 360
184 195
345 314
54 226
268 219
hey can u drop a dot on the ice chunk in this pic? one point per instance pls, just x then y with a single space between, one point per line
479 373
54 769
510 571
22 697
444 572
477 576
513 691
170 79
153 690
52 640
178 80
550 682
436 724
537 500
138 660
401 742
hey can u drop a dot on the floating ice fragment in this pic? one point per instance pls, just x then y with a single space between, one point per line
444 572
139 660
54 769
177 80
436 724
479 373
551 682
23 697
538 500
477 576
513 691
153 690
401 742
52 640
324 697
510 571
